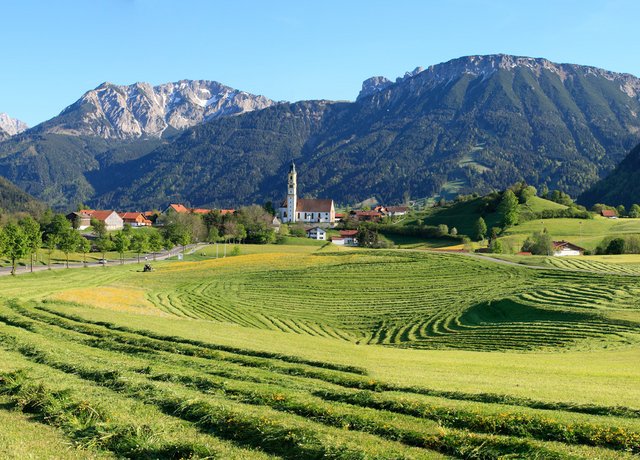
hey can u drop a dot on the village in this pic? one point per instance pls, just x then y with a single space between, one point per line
315 219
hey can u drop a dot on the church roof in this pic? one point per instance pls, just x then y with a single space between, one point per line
307 205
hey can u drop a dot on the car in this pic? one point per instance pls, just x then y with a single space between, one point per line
103 261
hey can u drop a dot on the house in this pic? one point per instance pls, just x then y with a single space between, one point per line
609 213
339 216
368 216
564 248
346 238
135 219
179 208
111 219
80 220
295 209
397 211
317 233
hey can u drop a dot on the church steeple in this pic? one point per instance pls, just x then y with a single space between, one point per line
292 193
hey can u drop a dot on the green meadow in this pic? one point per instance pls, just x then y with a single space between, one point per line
310 351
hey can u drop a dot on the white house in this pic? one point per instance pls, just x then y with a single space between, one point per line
564 248
310 211
317 233
111 219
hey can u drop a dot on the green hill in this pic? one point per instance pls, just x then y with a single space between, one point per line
619 187
13 200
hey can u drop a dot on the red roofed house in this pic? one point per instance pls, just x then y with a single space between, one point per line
179 208
564 248
367 215
111 219
296 209
610 213
346 238
135 219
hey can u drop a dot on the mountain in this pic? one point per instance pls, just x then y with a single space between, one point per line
109 125
472 124
10 126
619 187
12 199
142 110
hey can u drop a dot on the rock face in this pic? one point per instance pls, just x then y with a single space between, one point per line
10 126
373 85
142 110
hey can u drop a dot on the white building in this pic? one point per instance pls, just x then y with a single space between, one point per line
311 211
564 248
317 233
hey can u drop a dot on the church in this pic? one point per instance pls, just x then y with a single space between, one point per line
307 211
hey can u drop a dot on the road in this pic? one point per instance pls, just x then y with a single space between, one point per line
134 260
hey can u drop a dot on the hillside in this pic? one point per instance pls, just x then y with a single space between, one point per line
209 360
473 124
12 199
621 186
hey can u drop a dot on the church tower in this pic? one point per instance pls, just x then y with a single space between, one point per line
292 193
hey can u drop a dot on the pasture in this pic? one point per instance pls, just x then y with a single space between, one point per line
314 352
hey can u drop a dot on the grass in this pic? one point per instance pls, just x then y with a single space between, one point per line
587 233
294 351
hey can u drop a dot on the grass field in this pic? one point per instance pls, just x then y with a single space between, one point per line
291 351
586 233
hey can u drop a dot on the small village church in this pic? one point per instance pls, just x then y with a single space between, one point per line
295 209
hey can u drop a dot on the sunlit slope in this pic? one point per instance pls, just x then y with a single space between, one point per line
395 298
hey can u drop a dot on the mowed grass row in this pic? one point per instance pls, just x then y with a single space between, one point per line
290 413
406 299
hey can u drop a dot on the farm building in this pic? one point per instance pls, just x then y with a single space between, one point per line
564 248
295 209
609 213
80 220
135 219
346 238
111 219
367 216
396 211
317 233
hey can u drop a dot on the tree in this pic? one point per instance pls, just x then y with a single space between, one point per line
155 242
453 231
509 209
34 236
496 246
104 244
68 242
540 243
544 191
84 246
99 228
121 244
634 212
443 229
139 243
527 193
14 244
616 246
51 243
480 229
621 210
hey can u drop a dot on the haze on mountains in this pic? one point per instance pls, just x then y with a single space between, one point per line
472 124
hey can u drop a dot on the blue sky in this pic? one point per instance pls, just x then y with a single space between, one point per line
54 51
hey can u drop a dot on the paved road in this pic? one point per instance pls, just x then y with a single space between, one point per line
134 260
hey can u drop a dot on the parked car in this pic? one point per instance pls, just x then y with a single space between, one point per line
103 261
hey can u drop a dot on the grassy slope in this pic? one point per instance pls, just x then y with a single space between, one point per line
603 372
586 233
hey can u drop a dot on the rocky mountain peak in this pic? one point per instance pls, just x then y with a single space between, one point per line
486 65
142 110
11 126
